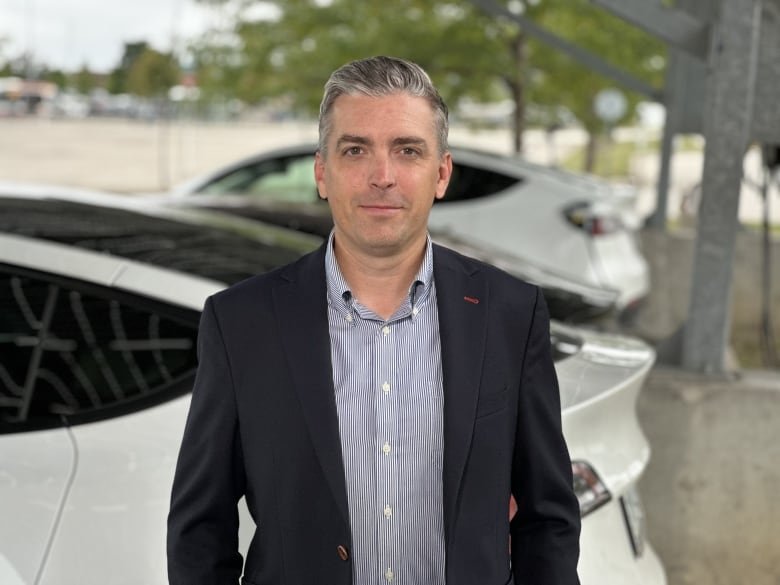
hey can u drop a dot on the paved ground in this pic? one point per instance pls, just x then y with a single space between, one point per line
129 156
711 490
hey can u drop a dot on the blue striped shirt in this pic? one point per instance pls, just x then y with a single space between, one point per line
389 399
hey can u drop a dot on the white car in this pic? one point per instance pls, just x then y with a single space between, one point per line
577 226
100 302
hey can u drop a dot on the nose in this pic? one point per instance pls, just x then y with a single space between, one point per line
382 172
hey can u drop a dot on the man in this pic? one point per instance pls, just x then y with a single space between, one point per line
379 400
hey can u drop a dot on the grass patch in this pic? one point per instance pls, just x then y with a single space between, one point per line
746 343
613 159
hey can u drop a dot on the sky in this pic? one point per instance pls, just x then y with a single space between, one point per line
66 34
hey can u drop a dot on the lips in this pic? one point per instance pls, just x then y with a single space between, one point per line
380 207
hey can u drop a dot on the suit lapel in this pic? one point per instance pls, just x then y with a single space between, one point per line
301 304
462 297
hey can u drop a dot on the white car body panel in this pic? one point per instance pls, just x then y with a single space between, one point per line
618 451
35 469
493 221
613 268
615 565
164 285
121 490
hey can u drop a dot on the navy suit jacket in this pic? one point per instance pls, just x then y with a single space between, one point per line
263 424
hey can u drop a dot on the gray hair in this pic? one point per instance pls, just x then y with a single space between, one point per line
378 77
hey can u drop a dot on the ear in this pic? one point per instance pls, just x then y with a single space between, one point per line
445 172
319 175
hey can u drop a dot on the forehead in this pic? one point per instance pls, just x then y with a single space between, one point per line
370 116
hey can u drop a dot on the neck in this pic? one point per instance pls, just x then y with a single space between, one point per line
380 283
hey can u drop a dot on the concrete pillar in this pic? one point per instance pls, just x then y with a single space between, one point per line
728 119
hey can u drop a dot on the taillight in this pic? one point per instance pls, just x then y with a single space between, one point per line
590 490
592 220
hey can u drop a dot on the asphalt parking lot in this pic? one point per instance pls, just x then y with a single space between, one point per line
711 488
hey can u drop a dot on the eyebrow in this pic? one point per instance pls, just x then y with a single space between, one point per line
409 140
399 141
352 139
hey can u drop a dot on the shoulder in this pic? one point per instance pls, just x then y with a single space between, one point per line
309 268
447 259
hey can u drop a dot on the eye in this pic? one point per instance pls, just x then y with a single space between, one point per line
410 151
353 150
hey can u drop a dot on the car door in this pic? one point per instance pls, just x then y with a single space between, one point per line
94 383
37 458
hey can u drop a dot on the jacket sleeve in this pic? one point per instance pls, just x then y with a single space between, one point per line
545 531
203 519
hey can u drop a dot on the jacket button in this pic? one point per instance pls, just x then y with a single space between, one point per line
343 554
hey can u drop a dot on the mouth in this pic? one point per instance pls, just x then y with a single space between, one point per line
380 208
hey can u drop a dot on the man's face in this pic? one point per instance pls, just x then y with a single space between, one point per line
382 172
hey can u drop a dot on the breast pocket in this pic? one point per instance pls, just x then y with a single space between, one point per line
492 402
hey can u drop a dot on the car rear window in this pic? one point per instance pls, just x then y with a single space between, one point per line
219 254
469 182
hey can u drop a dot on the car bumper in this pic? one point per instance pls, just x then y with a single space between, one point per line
607 556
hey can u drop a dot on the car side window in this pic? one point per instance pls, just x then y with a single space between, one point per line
469 182
73 352
287 179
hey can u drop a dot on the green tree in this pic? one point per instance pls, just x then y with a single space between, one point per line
55 76
561 84
467 53
218 67
117 82
4 64
83 80
464 51
152 74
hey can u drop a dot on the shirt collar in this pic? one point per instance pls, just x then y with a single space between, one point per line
340 295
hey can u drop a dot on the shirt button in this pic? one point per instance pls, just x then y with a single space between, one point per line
386 388
389 574
386 330
349 318
343 554
415 311
388 511
386 448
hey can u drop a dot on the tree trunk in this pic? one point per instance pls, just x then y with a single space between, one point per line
518 91
591 150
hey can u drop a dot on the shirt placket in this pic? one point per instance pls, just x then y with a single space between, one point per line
386 412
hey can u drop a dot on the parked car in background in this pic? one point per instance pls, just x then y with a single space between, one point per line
578 227
100 299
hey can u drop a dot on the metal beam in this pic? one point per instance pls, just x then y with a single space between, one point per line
685 92
579 54
676 27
